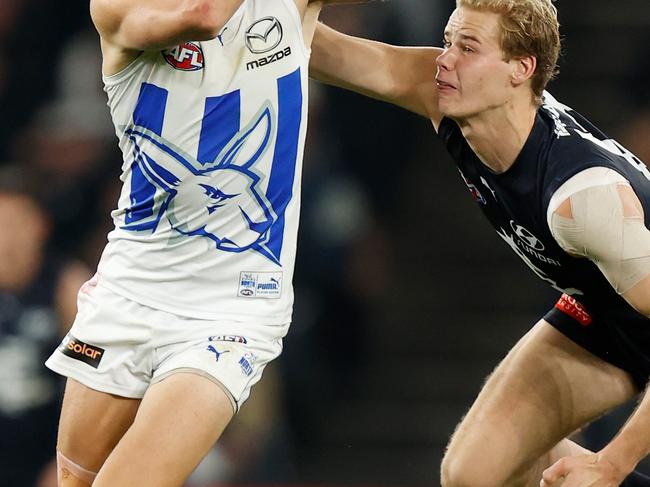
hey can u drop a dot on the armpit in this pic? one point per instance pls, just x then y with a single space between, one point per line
605 224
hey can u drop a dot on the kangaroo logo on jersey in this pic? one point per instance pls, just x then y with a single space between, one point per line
234 192
220 201
264 35
186 57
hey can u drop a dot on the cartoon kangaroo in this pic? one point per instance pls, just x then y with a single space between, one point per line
219 201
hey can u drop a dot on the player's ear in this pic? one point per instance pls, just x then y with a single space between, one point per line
523 69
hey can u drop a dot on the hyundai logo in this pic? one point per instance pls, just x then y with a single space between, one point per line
528 238
264 35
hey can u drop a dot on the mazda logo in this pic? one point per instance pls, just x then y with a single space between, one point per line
264 35
528 238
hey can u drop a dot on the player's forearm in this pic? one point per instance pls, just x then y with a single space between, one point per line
156 24
404 76
352 63
632 444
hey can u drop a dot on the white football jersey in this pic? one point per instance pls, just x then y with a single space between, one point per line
212 135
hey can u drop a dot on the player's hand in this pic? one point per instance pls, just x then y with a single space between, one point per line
582 471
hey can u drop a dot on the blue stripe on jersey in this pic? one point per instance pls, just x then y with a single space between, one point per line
283 173
220 124
149 112
142 193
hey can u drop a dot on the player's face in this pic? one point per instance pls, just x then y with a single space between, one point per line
473 77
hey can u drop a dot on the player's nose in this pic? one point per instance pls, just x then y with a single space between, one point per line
445 61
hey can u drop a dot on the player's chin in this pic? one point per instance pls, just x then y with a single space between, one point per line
447 109
455 110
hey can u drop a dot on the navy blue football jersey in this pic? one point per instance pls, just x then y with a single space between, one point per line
561 144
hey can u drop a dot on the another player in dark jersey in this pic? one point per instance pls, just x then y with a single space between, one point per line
573 204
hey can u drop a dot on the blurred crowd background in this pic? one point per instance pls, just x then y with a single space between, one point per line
405 297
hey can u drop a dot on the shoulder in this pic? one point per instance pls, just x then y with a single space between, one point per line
572 145
585 179
580 183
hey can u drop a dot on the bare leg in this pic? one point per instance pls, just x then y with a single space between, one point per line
179 420
545 389
90 426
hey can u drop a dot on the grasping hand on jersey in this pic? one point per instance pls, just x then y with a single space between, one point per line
127 28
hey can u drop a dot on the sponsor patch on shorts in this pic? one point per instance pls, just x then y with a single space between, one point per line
246 363
260 285
78 350
568 305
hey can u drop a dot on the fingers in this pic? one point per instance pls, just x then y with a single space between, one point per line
555 473
580 470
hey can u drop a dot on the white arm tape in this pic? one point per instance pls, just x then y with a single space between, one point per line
619 245
594 176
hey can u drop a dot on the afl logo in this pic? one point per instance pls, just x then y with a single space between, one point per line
264 35
526 237
186 57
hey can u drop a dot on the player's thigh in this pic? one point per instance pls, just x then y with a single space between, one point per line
179 420
545 389
92 423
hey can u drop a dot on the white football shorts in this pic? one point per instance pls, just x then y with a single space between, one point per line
121 347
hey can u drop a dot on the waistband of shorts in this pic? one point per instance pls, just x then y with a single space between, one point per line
281 320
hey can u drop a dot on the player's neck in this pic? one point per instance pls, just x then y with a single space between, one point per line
497 136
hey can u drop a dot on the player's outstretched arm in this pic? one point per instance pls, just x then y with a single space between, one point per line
404 76
157 24
310 10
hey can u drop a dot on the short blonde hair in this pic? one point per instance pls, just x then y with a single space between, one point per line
528 28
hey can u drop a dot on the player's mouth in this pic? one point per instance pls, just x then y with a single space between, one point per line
444 87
